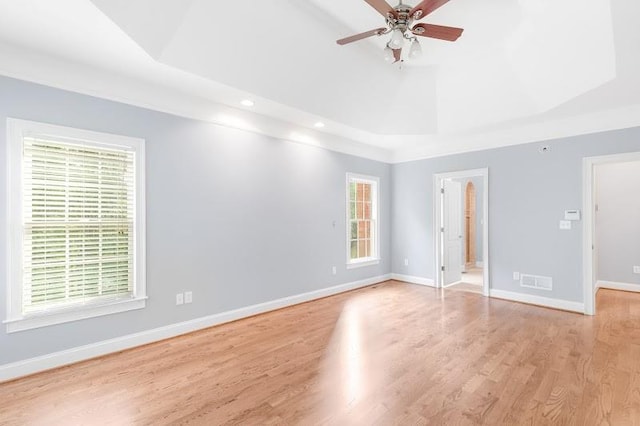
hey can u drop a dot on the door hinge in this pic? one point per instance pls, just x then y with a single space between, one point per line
442 229
442 268
442 190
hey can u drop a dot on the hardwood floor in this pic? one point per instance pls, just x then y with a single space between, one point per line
394 353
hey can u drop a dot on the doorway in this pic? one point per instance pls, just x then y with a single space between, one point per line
611 228
470 225
461 226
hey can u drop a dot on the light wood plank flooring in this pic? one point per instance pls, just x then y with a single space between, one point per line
393 353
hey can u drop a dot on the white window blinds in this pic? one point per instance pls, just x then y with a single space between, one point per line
78 213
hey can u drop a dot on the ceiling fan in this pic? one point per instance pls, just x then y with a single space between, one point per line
399 23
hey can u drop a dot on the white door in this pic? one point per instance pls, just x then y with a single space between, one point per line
594 230
452 235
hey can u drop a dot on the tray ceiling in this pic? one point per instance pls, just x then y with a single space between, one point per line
518 62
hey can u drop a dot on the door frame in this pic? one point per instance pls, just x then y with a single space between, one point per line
437 220
588 226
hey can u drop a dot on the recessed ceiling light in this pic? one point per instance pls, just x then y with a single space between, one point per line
319 125
247 103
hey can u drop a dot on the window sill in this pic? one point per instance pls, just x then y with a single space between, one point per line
45 319
363 262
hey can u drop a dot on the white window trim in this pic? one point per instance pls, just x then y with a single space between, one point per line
366 261
16 321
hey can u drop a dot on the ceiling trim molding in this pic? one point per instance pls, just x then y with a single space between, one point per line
597 122
39 68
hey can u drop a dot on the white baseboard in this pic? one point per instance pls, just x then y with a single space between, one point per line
413 280
480 264
612 285
547 302
81 353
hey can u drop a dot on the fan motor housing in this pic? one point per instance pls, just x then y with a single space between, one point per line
404 19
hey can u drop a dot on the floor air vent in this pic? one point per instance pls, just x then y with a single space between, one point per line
535 281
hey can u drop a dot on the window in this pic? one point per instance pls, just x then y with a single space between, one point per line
362 220
76 234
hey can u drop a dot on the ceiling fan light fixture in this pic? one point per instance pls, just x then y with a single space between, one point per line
397 39
401 29
388 54
247 103
416 49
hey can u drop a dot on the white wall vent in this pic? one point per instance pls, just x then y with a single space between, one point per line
535 281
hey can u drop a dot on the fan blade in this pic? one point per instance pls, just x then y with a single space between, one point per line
397 54
382 7
437 31
425 8
360 36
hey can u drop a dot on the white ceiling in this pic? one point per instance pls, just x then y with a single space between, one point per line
521 70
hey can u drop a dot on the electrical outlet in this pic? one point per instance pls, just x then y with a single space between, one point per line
406 262
565 225
188 296
636 269
516 276
334 270
179 299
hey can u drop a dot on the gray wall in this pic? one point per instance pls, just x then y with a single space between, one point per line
236 217
528 194
240 218
618 221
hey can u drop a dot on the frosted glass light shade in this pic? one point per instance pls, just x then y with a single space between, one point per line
416 50
397 40
388 54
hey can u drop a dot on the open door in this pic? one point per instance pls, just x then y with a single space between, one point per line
594 234
452 232
448 227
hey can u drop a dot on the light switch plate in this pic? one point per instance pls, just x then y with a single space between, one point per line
179 299
188 297
565 225
636 269
516 276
